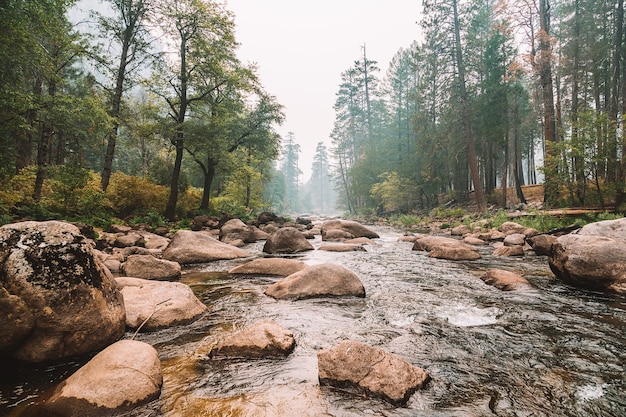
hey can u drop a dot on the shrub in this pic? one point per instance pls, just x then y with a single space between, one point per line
128 194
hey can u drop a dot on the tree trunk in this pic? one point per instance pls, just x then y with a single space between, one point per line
43 152
209 176
467 122
620 194
551 183
179 142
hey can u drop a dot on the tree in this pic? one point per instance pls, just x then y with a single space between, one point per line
319 185
291 171
203 35
127 28
467 120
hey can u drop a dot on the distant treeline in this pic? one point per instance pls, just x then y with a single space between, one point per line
491 91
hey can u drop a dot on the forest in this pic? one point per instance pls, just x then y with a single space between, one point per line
144 111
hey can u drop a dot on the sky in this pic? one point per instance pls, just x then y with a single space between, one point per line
302 47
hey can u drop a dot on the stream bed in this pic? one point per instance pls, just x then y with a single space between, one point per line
550 351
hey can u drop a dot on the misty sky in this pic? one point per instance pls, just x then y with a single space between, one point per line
302 48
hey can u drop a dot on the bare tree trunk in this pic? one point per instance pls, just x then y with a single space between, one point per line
551 183
43 152
467 122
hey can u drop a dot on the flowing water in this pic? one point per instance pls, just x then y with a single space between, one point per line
550 351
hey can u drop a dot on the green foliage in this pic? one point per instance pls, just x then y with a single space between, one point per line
393 193
226 204
152 218
447 213
406 220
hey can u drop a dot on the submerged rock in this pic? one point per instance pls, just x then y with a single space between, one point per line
370 370
264 338
509 251
342 247
270 266
187 247
505 280
324 280
121 377
446 248
57 299
162 304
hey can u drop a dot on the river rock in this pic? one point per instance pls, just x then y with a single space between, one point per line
360 241
370 370
471 240
515 239
342 247
323 280
446 248
455 253
263 339
149 267
511 227
154 241
542 244
260 234
57 299
270 266
460 230
163 304
349 226
129 239
235 229
505 280
509 251
187 247
337 235
287 240
410 239
590 261
123 376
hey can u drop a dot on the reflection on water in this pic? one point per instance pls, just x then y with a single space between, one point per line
552 350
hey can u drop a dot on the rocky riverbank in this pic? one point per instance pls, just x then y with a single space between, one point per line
47 266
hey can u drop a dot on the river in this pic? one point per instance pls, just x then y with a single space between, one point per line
550 351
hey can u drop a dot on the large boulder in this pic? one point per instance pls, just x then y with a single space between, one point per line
123 376
609 228
262 339
187 247
505 280
149 267
591 261
348 226
270 266
57 299
370 370
287 240
159 304
323 280
235 229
